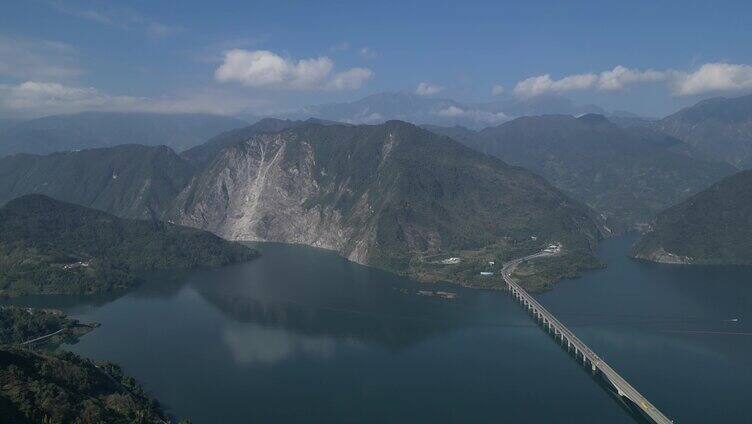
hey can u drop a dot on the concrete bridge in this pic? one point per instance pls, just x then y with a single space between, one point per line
581 351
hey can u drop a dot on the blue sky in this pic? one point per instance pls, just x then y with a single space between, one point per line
66 55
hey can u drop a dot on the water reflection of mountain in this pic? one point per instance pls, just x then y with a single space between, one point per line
71 304
372 320
157 284
317 293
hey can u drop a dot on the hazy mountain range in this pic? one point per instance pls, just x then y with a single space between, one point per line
131 181
410 107
101 129
626 174
392 195
720 128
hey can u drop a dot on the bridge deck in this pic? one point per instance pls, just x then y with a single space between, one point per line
550 322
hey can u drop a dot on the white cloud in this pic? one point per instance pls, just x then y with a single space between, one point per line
351 79
215 52
37 59
497 90
33 98
543 84
475 115
611 80
368 53
428 89
451 112
619 77
265 69
712 77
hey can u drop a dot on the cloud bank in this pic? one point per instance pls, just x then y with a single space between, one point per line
34 98
709 78
615 79
713 77
428 89
475 115
266 69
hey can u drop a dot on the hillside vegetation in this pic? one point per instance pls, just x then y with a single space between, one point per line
719 128
131 181
626 174
61 388
86 130
51 247
712 227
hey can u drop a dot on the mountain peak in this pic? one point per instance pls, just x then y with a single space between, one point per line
594 119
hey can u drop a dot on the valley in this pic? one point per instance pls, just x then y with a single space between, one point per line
430 205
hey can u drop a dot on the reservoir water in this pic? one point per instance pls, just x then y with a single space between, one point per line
302 335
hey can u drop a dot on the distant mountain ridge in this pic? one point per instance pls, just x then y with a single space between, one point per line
86 130
53 247
131 181
627 174
720 128
410 107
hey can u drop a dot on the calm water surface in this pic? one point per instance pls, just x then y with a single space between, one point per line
301 335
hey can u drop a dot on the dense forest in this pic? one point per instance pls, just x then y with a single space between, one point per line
52 247
21 324
714 227
61 387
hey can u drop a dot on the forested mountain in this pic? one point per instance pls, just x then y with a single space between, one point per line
103 129
720 128
626 174
130 181
62 387
711 227
392 195
48 246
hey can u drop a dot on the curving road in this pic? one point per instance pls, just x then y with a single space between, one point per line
46 336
